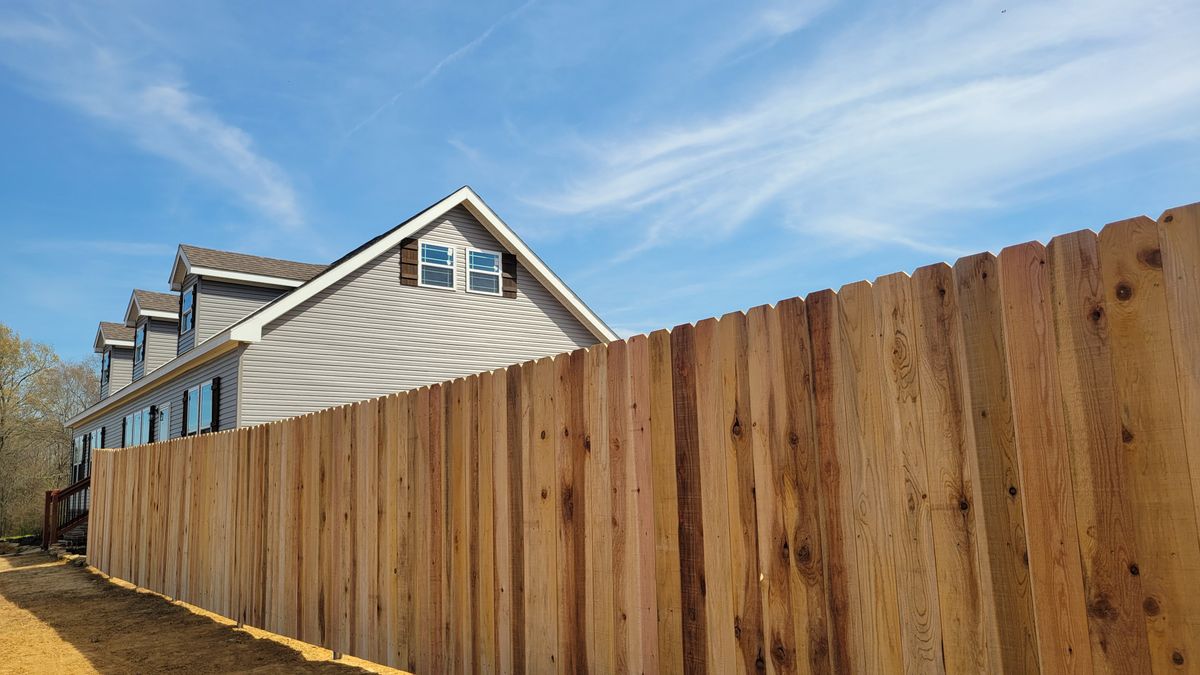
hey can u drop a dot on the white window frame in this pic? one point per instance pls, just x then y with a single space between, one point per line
499 273
139 351
193 393
190 312
138 425
162 410
421 264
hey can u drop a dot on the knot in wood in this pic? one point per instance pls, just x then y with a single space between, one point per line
1150 606
1124 291
1151 257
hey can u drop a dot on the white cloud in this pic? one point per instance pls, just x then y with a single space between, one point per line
903 118
150 103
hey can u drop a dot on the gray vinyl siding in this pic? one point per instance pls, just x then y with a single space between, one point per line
187 340
222 304
160 345
171 392
121 371
368 335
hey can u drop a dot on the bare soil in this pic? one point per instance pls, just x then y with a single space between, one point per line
56 617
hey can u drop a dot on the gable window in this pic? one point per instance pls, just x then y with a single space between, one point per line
105 367
187 309
200 407
483 272
137 427
436 265
139 344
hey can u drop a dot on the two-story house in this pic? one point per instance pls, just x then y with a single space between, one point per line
243 339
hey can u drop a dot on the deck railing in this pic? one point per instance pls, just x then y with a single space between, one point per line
65 510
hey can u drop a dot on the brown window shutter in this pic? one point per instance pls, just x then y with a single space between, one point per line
409 250
508 274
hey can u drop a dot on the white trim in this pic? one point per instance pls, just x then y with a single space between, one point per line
118 343
135 309
206 351
499 273
190 312
99 343
421 264
243 277
250 328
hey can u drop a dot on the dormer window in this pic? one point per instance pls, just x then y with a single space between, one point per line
187 309
139 344
105 367
436 265
483 272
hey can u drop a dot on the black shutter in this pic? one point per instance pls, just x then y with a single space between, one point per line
153 423
409 253
183 427
216 404
103 434
124 430
508 275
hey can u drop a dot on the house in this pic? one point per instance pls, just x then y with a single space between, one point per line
242 340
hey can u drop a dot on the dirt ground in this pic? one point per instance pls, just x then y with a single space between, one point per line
56 617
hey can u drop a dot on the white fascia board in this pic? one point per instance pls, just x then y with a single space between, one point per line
179 269
204 352
244 278
155 314
539 269
250 329
119 343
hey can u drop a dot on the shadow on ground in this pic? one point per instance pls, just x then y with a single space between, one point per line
62 618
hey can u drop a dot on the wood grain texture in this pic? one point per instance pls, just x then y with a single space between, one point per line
1104 513
1054 563
1000 517
1147 389
984 468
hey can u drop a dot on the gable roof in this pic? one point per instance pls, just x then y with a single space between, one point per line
152 304
111 334
241 267
249 329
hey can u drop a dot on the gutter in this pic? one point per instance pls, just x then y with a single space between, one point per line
215 346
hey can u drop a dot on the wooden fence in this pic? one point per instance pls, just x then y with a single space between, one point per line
991 467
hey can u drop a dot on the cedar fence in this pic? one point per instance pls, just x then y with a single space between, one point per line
991 467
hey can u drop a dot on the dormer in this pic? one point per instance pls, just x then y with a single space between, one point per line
219 288
114 344
154 319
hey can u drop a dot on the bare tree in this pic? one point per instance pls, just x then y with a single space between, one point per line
38 393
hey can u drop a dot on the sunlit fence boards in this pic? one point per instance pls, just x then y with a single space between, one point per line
988 467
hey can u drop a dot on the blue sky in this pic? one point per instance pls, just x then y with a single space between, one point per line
671 161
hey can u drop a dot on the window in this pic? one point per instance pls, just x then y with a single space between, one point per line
137 427
139 344
200 407
162 422
483 272
105 367
436 265
187 309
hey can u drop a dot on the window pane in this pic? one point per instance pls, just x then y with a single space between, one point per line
146 425
485 283
437 276
206 405
484 262
438 255
163 431
193 410
189 296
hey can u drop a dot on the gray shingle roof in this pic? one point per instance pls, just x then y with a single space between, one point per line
157 302
116 331
250 264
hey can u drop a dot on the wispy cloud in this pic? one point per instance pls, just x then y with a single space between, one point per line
71 61
899 121
447 60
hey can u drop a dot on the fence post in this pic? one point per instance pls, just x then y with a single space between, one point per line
50 527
